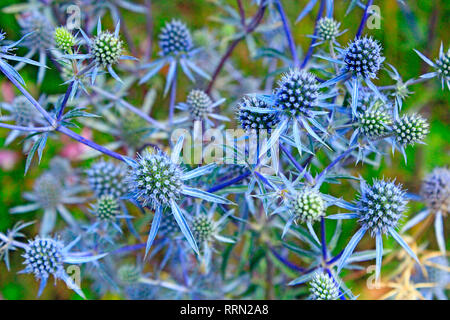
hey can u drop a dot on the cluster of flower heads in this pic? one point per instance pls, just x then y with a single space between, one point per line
325 114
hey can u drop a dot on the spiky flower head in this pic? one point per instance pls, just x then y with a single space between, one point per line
155 180
48 191
374 123
40 31
307 205
175 38
107 178
23 111
363 57
106 48
129 274
44 257
297 92
410 128
250 120
435 190
202 228
443 65
199 104
381 205
64 39
327 29
323 287
107 208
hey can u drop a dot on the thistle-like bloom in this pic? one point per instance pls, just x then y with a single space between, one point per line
157 181
51 195
307 206
410 129
107 178
374 123
24 114
363 57
107 208
176 48
200 107
105 51
328 29
38 32
250 120
435 192
64 40
297 93
323 287
175 38
45 257
379 209
441 66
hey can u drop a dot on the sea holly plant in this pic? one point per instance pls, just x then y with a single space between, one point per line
240 186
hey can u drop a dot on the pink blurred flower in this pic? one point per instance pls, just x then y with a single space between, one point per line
73 149
8 159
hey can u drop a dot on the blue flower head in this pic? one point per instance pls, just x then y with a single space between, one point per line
327 29
307 205
107 178
443 66
410 129
156 180
250 120
381 206
175 38
297 92
363 58
199 103
40 30
374 123
435 190
106 49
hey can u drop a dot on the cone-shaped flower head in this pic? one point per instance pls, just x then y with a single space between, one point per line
363 57
106 48
327 29
64 39
381 205
435 190
175 38
48 191
410 128
297 92
40 31
374 123
107 208
44 257
250 120
155 180
307 205
323 287
443 65
199 104
107 178
202 228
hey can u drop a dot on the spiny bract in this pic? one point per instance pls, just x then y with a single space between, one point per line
323 287
106 49
381 206
363 57
156 179
175 38
297 92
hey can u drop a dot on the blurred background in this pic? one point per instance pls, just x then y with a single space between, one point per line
423 28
